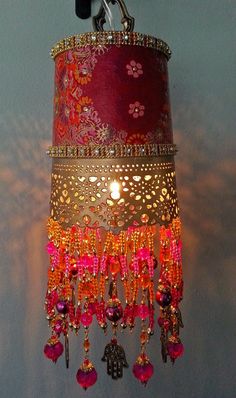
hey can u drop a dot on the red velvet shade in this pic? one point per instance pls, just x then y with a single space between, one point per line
111 94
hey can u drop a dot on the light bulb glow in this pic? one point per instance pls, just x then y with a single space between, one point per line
115 190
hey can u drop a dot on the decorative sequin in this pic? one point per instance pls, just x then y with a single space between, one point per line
136 110
134 69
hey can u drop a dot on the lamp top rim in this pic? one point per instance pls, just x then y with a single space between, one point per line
115 38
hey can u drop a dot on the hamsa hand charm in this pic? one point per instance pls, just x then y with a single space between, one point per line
114 355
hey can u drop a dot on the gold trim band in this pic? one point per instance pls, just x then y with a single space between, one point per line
110 38
111 151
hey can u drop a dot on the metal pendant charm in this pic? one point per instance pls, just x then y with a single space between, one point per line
115 357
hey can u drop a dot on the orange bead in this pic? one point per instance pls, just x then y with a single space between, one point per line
143 337
86 345
114 266
145 281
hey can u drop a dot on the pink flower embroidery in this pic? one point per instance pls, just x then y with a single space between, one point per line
136 109
134 69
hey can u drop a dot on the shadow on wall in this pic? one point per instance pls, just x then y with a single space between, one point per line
206 174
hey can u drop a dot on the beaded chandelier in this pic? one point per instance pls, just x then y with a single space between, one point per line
114 227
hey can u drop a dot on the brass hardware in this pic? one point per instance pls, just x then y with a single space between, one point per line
127 21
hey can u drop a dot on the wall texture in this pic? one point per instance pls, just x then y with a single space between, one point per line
202 35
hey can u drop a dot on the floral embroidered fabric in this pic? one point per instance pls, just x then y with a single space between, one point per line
111 95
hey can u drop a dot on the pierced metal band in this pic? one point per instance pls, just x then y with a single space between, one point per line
111 151
109 38
82 192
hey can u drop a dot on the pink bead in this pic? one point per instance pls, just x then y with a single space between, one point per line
86 378
87 261
135 265
151 267
53 351
103 264
143 253
95 265
51 249
92 307
134 310
86 319
67 262
58 327
143 311
124 267
175 350
80 269
143 372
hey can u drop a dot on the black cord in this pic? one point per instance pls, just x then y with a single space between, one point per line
83 8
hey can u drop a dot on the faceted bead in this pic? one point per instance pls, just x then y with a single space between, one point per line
143 253
86 319
145 281
114 266
143 372
175 349
114 313
87 288
92 307
53 351
86 377
74 270
87 262
143 311
166 324
163 298
143 337
86 345
51 248
58 327
62 307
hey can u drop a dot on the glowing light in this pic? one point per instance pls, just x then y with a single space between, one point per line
115 190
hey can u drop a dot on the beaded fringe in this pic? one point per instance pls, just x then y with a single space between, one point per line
86 265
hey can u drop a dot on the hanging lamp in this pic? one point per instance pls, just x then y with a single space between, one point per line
114 227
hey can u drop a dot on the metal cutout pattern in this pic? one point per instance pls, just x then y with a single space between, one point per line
145 192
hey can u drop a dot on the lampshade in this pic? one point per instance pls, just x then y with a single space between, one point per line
114 226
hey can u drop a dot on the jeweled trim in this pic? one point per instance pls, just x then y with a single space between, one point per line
110 38
111 151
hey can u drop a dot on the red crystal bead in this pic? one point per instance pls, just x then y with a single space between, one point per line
143 311
175 349
51 248
143 253
74 270
86 319
163 298
143 372
86 377
92 308
53 351
58 327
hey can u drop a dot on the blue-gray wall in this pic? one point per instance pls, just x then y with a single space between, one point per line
202 34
